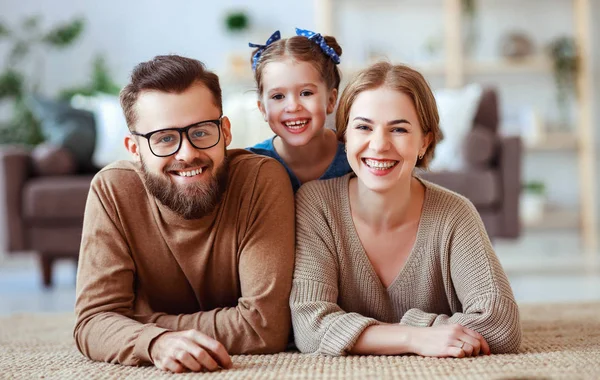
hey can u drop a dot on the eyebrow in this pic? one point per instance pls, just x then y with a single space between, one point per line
300 85
189 125
392 122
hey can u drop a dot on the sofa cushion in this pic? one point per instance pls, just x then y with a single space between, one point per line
481 187
457 109
487 112
49 159
111 127
480 147
65 126
51 199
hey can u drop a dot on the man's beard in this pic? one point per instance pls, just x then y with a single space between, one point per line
194 200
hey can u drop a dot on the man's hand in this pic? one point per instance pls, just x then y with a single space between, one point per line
189 350
447 341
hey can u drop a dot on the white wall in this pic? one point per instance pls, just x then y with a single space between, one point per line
133 31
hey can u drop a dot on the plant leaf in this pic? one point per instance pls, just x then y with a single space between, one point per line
31 23
19 50
64 34
101 79
22 129
11 84
4 31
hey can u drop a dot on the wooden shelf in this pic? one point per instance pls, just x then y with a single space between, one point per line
529 65
425 68
555 142
457 69
556 218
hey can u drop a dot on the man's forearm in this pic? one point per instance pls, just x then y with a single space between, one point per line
115 338
240 329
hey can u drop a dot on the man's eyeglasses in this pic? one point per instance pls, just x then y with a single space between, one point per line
166 142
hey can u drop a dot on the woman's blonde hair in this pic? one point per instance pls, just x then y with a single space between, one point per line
400 78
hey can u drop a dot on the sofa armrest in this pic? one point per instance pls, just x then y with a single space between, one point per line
15 169
510 160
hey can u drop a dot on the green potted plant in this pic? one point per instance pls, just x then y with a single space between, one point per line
533 201
100 82
25 40
564 55
236 21
469 11
237 24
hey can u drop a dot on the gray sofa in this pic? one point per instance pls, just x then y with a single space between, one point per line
42 199
492 176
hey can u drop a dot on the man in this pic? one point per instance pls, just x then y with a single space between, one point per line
187 253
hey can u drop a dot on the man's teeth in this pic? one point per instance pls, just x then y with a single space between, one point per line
297 124
376 164
190 173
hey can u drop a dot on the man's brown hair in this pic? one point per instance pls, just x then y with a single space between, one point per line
167 73
402 79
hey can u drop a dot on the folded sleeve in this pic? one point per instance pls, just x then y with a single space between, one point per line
475 276
320 325
104 329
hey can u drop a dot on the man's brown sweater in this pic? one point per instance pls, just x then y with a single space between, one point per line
144 270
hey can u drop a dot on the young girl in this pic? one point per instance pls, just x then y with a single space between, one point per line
298 81
387 263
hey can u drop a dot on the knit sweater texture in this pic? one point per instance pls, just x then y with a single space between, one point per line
144 270
452 274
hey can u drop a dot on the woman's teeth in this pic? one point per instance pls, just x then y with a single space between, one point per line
380 165
297 124
189 173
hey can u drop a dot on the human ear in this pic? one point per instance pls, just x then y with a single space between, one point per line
132 146
226 130
262 110
331 101
426 142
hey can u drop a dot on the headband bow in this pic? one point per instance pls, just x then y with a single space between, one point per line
274 37
319 40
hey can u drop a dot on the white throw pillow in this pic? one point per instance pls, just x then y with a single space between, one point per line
457 109
111 127
247 124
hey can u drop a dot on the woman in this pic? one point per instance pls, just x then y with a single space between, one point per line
387 263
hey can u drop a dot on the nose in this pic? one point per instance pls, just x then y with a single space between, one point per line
292 104
379 140
187 152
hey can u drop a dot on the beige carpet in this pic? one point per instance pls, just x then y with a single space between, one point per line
560 341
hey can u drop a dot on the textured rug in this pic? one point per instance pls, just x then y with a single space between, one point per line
559 341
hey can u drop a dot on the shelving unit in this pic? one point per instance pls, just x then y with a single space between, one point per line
456 66
556 219
537 64
555 142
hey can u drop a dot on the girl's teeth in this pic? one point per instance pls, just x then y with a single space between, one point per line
297 124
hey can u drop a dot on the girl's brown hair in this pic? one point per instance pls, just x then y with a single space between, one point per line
301 49
402 79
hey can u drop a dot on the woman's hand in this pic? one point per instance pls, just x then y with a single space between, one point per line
447 341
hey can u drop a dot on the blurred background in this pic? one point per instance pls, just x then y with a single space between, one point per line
517 84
